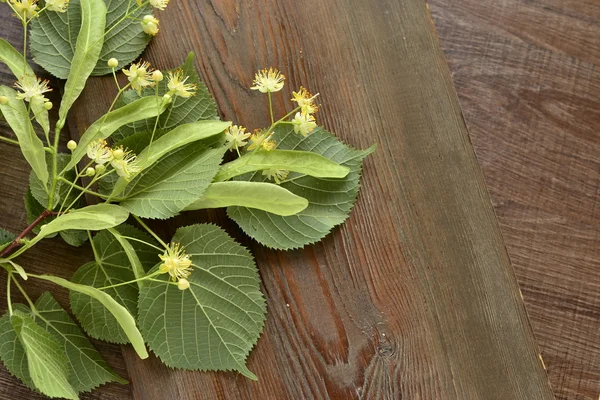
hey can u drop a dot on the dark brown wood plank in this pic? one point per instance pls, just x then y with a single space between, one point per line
414 297
528 79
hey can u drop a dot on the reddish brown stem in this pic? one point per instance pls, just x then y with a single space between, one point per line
27 230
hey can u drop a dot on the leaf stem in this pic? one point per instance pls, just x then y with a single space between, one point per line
132 281
144 242
31 305
8 299
150 231
25 232
7 140
84 190
271 108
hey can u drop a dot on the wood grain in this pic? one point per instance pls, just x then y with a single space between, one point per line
528 80
413 298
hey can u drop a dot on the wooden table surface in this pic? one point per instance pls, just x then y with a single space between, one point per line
414 297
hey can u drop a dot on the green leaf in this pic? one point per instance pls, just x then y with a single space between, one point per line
87 50
39 192
46 361
172 184
330 200
23 72
123 317
74 237
109 123
6 238
178 137
16 114
215 323
182 111
259 195
304 162
53 37
136 265
91 218
34 210
88 369
112 267
12 352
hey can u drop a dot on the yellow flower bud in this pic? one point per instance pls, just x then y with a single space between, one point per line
100 169
90 171
48 105
183 284
71 145
157 76
3 100
113 62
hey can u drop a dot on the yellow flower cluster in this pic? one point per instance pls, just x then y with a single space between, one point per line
123 161
177 264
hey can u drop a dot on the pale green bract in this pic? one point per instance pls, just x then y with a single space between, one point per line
53 38
91 218
259 195
17 116
109 123
87 49
170 141
304 162
123 317
23 72
215 323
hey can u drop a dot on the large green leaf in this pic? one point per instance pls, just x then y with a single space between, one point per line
304 162
171 141
330 200
46 360
23 72
16 114
53 37
215 323
88 369
112 267
121 314
87 49
182 111
109 123
172 184
12 352
260 195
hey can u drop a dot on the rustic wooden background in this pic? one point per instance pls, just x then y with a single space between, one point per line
414 296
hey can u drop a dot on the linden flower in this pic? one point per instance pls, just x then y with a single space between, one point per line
139 75
270 80
57 5
159 4
124 162
32 89
236 136
304 123
277 175
25 8
175 262
99 152
305 101
260 140
150 25
178 86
